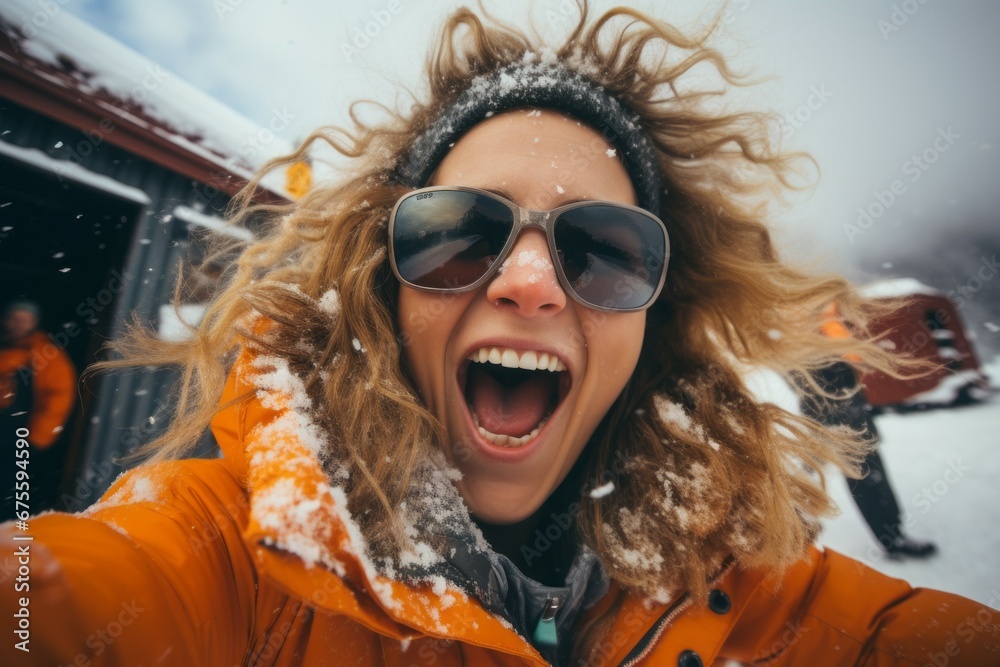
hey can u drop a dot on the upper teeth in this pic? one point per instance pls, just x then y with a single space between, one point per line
530 360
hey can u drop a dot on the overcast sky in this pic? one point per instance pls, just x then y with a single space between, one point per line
884 84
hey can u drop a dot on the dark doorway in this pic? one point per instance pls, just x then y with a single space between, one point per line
63 245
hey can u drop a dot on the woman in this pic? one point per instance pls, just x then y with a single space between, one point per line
468 416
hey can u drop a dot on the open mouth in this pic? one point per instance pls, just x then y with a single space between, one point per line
511 394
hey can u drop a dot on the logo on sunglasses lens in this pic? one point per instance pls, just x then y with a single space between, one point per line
424 195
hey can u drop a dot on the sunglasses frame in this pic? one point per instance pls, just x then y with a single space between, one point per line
525 219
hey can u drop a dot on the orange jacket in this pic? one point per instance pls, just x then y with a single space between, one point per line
53 380
179 564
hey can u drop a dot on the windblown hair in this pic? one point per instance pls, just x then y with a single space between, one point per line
702 470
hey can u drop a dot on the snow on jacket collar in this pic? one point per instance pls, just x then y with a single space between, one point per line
296 509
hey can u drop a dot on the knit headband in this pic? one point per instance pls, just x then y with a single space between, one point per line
545 84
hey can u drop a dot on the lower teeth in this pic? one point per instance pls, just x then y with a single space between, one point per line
507 440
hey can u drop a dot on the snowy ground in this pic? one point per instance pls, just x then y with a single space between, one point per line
944 465
945 468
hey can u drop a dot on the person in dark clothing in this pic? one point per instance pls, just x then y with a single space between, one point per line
872 493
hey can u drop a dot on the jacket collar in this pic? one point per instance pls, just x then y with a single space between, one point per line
305 542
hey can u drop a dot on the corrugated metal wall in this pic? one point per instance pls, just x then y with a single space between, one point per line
121 416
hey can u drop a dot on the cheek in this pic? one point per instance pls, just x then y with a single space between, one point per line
614 342
412 317
415 335
426 324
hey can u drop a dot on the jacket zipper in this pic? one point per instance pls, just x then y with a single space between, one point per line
653 635
545 630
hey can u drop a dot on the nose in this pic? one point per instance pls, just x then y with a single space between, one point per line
526 281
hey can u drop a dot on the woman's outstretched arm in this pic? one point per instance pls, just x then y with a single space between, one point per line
156 570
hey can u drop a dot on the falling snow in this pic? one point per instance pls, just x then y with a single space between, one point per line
603 490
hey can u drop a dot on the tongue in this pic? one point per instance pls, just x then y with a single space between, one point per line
513 411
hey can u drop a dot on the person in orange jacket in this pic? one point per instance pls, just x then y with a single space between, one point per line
37 383
467 417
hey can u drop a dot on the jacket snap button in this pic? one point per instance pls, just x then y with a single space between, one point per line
689 659
719 602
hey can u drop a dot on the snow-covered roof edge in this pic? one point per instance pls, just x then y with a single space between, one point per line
896 288
74 172
137 91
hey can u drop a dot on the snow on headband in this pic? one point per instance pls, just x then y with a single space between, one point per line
544 83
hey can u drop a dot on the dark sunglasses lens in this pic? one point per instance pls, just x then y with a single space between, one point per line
446 239
612 257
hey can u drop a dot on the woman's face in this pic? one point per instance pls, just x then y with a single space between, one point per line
540 160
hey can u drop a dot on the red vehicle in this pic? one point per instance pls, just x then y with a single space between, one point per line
927 326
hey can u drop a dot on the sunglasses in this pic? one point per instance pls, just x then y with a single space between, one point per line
450 239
